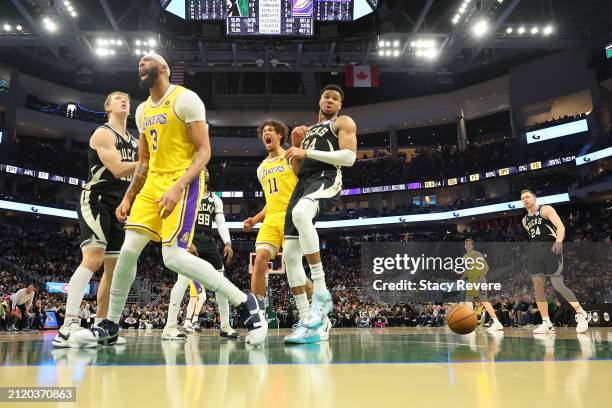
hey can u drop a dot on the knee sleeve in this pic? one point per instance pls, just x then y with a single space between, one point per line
292 257
303 215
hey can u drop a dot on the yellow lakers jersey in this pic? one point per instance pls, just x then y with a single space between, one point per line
170 147
474 273
278 181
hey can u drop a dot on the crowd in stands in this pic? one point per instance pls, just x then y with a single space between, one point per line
556 121
31 254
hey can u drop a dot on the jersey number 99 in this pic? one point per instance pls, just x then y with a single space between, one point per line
203 219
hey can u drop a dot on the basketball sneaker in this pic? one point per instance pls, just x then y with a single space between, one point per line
496 326
582 322
303 335
319 308
63 340
188 328
545 328
253 312
105 333
325 329
228 332
172 333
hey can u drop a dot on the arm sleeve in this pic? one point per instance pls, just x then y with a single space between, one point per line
222 228
344 157
138 117
189 107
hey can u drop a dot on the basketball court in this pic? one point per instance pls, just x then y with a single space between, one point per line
357 367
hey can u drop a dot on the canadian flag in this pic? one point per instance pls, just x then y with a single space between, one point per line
361 76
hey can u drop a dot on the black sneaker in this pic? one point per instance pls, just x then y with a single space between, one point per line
106 334
229 333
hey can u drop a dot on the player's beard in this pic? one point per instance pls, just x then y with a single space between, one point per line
151 78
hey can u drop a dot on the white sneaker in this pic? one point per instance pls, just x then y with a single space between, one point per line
120 341
544 328
303 335
496 326
172 333
188 328
582 322
62 339
325 329
256 322
319 308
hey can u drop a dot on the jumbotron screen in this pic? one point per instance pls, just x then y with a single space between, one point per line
270 17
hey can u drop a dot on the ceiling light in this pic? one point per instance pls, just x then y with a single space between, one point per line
509 30
73 14
419 53
381 53
534 30
112 42
7 27
388 43
480 28
548 30
152 43
388 53
396 43
521 30
381 43
19 27
112 52
119 43
396 53
137 42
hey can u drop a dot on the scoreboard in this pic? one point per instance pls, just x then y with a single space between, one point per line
270 17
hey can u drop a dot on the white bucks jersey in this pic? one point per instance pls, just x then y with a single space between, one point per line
100 179
209 207
540 228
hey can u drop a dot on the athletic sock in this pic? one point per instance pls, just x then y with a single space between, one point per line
301 302
76 291
318 277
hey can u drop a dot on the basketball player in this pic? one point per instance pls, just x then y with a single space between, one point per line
112 154
205 247
278 182
477 273
163 198
323 149
546 233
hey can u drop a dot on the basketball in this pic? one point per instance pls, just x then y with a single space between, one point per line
462 319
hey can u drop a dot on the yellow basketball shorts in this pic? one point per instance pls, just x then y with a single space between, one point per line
179 225
272 233
195 288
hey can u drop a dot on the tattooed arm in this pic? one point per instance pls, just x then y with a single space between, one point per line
198 133
138 180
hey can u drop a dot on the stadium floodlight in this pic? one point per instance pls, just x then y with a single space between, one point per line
419 53
112 52
396 43
381 53
535 30
73 14
509 30
112 42
548 30
396 53
413 44
99 42
49 25
19 27
431 53
461 9
7 27
137 52
119 43
151 51
387 43
388 53
480 28
381 43
521 30
152 43
137 42
66 3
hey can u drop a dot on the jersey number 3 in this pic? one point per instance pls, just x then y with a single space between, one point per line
154 140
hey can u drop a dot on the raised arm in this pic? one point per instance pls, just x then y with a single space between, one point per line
103 142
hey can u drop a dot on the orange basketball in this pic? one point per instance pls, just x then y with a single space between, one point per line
462 319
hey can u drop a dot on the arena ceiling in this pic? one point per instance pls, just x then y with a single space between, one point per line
430 39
